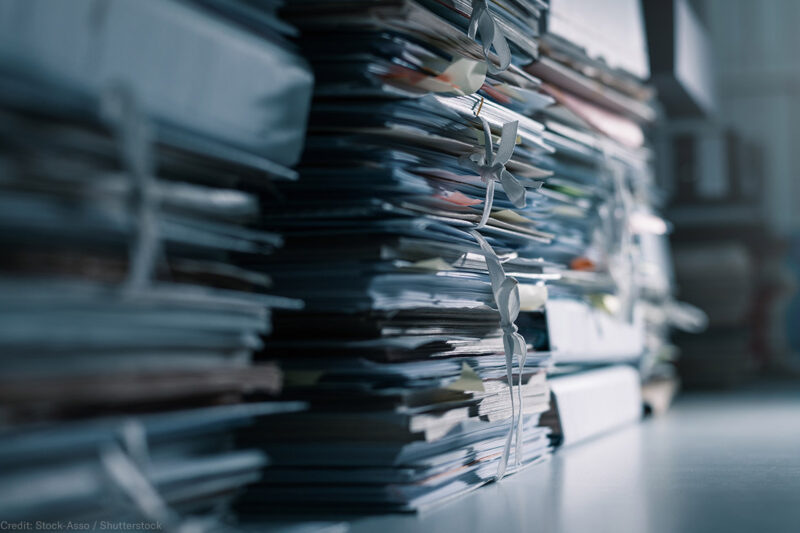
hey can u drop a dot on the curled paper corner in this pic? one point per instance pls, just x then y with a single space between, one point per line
468 381
458 198
532 297
462 77
435 264
511 216
465 75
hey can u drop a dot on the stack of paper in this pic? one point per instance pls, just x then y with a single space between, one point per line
114 473
129 188
419 386
445 203
474 210
613 302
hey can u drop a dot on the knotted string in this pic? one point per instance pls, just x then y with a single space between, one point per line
135 141
491 167
621 267
506 296
481 21
505 289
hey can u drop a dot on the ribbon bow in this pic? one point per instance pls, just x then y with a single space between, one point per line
506 296
492 167
481 21
135 138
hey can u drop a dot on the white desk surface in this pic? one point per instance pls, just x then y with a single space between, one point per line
725 461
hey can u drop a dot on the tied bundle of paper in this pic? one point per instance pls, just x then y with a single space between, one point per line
614 244
411 207
175 471
127 210
613 301
120 290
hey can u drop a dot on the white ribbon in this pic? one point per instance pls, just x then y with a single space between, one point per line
505 289
481 21
506 296
621 261
491 167
125 466
135 140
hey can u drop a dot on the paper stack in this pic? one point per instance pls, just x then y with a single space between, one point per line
399 238
452 197
613 303
128 317
473 214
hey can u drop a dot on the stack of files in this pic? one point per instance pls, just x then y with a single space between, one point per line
152 469
408 451
600 207
613 302
106 282
399 349
130 189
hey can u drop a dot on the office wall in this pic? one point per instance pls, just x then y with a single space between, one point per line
757 48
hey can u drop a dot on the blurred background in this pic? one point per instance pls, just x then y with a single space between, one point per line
728 74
